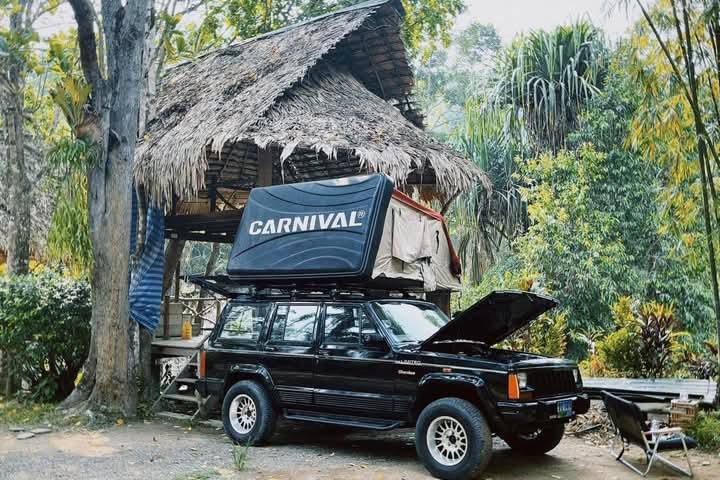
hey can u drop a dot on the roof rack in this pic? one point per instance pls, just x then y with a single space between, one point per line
231 288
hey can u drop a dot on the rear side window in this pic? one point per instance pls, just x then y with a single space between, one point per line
294 323
244 321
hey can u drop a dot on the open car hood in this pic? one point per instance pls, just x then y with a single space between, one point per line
494 318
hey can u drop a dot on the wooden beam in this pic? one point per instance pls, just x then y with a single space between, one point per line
264 171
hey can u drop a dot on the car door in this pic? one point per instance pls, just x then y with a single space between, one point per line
354 372
289 351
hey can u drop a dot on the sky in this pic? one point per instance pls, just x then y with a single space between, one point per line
509 17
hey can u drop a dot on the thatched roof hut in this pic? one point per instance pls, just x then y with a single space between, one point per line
326 98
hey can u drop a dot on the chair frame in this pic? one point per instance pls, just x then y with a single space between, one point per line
651 451
651 439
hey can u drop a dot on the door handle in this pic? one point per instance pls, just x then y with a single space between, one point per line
324 354
271 349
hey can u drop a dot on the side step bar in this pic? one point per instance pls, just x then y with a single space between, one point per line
343 420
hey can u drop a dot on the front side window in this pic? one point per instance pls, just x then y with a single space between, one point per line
347 324
294 323
243 321
410 322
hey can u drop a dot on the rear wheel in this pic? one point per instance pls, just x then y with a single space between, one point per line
248 413
538 442
453 439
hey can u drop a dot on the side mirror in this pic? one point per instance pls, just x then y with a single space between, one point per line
374 340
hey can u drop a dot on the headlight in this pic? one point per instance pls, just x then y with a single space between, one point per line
522 380
576 375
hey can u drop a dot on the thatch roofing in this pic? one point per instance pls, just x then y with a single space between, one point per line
332 94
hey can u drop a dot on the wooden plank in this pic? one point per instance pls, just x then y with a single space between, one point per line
661 388
193 344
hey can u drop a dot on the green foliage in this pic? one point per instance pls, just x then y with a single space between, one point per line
24 413
619 352
427 23
71 159
575 247
485 223
546 335
644 343
73 154
706 430
205 474
451 78
657 338
703 362
71 96
240 456
550 77
69 236
45 331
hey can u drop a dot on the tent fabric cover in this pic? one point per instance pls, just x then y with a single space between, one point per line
416 246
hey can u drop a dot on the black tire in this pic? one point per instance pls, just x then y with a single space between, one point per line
540 443
479 439
265 415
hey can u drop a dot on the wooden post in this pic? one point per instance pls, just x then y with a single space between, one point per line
264 168
177 281
166 318
441 298
212 194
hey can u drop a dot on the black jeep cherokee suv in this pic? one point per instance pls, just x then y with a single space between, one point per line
387 363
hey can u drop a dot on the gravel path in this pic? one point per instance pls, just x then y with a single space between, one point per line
161 451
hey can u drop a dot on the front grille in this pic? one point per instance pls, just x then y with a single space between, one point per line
550 382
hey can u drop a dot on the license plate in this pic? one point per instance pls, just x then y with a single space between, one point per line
564 408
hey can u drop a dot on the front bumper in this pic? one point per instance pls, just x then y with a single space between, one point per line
516 414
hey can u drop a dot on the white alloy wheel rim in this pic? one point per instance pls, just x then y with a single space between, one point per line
447 441
243 414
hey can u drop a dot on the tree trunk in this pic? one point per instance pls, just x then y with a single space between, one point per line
173 253
113 125
19 185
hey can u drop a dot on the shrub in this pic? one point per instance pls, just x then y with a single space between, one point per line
620 353
656 338
706 430
645 342
45 331
547 335
702 364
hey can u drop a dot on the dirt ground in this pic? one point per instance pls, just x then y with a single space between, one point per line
159 450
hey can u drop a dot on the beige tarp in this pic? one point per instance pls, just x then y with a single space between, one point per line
414 246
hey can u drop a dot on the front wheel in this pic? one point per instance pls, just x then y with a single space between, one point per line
453 439
248 414
538 442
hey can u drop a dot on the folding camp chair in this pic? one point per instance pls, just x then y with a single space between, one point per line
631 428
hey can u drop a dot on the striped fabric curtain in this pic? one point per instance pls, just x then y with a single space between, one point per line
146 280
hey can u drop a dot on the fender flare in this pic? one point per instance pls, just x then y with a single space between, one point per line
481 396
250 371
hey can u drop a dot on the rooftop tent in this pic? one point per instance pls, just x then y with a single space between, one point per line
355 229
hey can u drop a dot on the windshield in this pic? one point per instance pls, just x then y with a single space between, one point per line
410 322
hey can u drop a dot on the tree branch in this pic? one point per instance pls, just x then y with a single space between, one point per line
85 19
